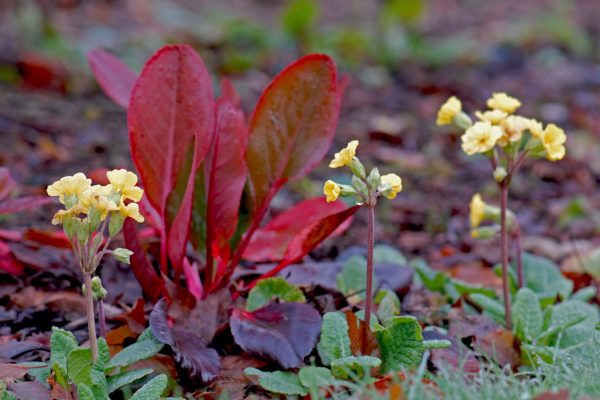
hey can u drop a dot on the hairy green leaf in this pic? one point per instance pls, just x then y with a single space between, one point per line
125 378
388 255
270 288
544 277
353 366
278 381
145 347
389 305
79 366
527 315
400 343
152 390
316 377
334 341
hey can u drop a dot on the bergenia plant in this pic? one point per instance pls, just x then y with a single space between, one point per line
507 140
365 189
92 216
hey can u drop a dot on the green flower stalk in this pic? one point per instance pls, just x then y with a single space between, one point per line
506 139
366 189
92 216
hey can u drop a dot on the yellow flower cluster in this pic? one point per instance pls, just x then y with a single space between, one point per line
500 126
366 188
81 197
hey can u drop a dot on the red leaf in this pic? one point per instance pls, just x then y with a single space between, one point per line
292 126
170 129
114 76
271 241
285 333
226 176
151 283
229 93
7 184
8 262
308 239
23 203
53 238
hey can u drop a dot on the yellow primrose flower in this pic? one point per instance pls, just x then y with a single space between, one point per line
69 185
395 182
131 210
514 126
477 210
535 128
344 156
331 190
61 214
503 102
448 111
480 137
97 197
495 117
124 182
553 140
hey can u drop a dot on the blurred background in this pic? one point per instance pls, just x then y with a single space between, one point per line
403 58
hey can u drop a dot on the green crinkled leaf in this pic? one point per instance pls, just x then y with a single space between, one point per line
145 347
268 289
491 307
388 255
527 315
103 354
79 366
334 341
152 390
580 332
279 381
40 374
400 343
544 277
84 392
61 344
591 263
125 378
352 278
316 377
352 366
389 305
585 294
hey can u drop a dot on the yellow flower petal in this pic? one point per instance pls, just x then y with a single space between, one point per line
553 140
495 117
69 185
331 190
477 207
344 156
448 111
124 182
480 138
395 182
503 102
131 210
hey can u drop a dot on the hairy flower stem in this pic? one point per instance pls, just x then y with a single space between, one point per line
87 280
369 291
504 251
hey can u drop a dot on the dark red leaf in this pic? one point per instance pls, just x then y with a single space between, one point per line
271 241
114 76
41 72
189 347
7 184
7 262
229 93
355 329
52 238
226 176
292 126
23 203
151 283
170 129
285 333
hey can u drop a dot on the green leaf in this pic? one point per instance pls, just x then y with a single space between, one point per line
544 277
437 344
352 279
278 381
152 390
389 305
125 378
579 332
400 343
591 263
334 341
61 344
299 16
122 255
316 377
270 288
79 366
388 255
40 374
585 294
145 347
84 392
103 354
491 307
353 366
527 315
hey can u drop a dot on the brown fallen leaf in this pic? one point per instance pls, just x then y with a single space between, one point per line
560 395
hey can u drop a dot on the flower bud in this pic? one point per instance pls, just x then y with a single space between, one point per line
374 179
357 168
485 232
500 173
122 255
116 223
462 120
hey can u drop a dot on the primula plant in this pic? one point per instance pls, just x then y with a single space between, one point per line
507 140
92 216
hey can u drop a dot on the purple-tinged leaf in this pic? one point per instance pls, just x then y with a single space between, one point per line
114 76
285 333
7 184
23 203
